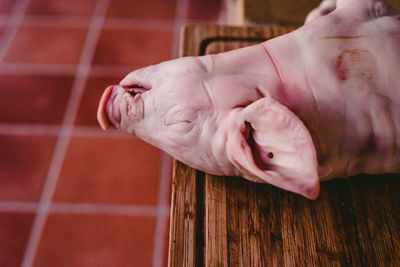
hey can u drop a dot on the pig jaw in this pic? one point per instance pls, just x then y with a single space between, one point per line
202 148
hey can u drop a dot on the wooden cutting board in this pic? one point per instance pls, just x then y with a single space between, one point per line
282 12
228 221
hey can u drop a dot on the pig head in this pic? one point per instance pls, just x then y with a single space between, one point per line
217 120
317 103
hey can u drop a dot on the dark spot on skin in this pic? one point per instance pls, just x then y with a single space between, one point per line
258 152
270 155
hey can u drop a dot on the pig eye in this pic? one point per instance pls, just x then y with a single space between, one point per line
181 127
136 89
180 120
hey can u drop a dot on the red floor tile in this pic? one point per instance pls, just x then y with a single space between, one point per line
34 99
14 234
6 6
61 7
110 170
90 99
96 240
46 45
204 10
24 162
136 48
142 9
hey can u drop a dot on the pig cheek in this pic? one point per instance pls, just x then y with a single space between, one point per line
180 140
176 141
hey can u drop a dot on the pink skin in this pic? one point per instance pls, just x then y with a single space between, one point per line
318 103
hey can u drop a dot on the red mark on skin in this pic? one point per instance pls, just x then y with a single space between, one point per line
348 63
342 68
344 37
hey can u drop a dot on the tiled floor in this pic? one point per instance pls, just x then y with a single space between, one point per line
71 194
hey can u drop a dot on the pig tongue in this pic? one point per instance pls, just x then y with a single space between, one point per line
107 114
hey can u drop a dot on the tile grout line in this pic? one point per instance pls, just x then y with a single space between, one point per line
83 208
12 25
38 68
83 69
25 129
109 209
18 206
161 229
22 129
61 69
70 21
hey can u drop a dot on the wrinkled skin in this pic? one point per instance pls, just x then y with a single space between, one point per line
318 103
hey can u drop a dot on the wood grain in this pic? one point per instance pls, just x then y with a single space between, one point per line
185 243
228 221
283 12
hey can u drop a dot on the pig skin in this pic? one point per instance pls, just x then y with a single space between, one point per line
320 102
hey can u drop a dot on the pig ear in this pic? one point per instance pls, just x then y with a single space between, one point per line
269 142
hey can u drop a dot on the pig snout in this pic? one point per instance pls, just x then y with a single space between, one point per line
108 113
117 99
